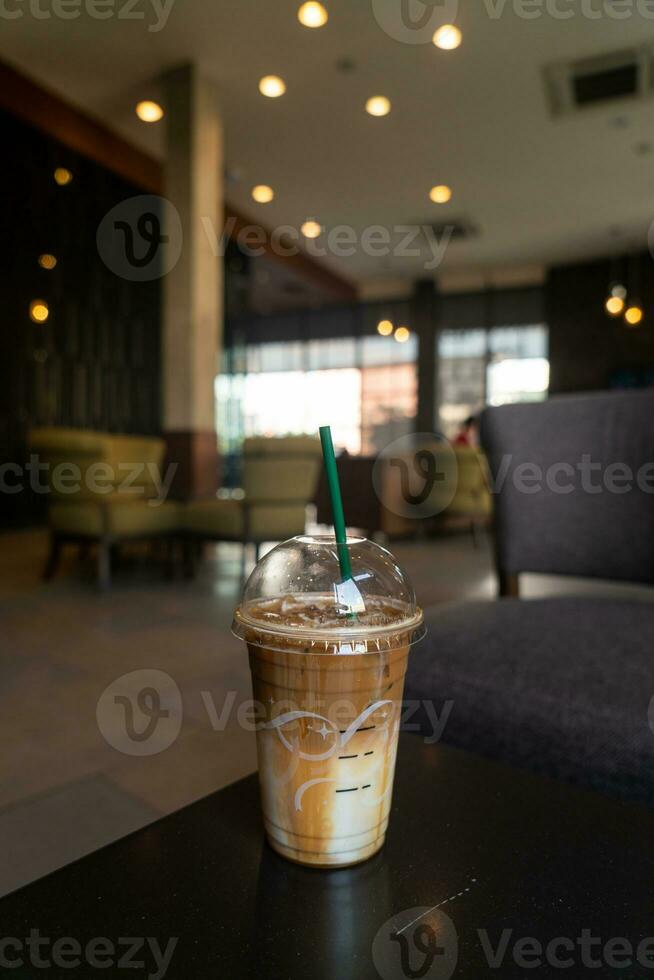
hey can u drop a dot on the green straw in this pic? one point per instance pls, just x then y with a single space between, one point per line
336 500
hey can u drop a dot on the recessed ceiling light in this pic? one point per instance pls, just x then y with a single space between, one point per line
272 86
440 194
62 176
39 311
312 15
47 261
378 105
311 228
402 334
633 315
148 111
448 37
263 194
385 328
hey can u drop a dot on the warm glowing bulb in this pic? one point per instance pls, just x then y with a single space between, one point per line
311 228
312 15
47 261
441 194
448 37
402 334
385 328
39 311
263 194
62 176
633 315
614 305
378 105
148 111
272 86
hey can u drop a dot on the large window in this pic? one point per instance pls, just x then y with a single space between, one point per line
365 388
478 367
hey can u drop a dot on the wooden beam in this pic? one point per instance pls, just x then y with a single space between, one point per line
79 131
302 264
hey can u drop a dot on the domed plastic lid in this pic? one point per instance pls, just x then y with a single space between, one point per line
296 600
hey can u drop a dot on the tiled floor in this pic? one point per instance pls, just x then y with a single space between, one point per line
66 784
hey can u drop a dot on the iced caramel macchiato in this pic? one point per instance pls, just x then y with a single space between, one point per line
328 681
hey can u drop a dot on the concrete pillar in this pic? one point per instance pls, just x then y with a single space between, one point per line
424 322
193 290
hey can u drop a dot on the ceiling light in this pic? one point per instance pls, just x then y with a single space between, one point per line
440 194
385 328
263 194
148 111
312 15
272 86
614 305
402 334
47 261
378 105
311 228
633 315
448 37
39 311
62 176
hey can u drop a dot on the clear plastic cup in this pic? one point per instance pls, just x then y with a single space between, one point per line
328 660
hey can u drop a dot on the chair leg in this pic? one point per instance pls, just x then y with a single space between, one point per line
169 557
257 549
190 557
104 564
509 585
54 555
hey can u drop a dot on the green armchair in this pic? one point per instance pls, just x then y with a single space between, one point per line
103 489
279 480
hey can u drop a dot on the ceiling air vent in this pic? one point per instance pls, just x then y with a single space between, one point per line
576 85
457 229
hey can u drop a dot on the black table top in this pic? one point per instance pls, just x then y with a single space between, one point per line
509 858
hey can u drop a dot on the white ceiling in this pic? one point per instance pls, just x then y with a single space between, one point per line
540 190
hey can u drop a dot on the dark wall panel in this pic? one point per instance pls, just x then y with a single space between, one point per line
96 362
589 351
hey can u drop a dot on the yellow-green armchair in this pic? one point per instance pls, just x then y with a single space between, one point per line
279 480
102 489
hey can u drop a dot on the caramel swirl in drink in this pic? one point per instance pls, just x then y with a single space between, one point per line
329 682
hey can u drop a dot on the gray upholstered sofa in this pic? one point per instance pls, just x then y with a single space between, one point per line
562 686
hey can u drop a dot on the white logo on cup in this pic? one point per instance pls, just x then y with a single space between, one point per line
414 21
386 729
418 942
140 239
141 712
416 476
339 739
